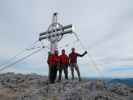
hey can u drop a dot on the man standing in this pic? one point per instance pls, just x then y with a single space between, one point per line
73 62
64 61
54 63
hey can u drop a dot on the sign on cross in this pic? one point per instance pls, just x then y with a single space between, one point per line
55 33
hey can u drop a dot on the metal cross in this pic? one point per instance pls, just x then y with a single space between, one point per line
55 32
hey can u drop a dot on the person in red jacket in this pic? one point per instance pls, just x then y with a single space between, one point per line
64 61
73 62
54 62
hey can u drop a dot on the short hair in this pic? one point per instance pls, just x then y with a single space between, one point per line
56 51
73 48
63 49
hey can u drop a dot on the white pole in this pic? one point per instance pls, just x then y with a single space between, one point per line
54 45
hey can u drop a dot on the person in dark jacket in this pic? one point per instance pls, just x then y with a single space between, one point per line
64 61
73 62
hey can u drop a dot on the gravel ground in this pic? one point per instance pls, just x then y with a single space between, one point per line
35 87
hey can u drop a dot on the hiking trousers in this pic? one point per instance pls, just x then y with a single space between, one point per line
76 67
52 73
63 67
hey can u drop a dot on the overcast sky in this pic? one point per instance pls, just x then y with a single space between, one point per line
105 27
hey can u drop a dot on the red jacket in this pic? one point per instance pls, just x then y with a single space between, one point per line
64 59
73 57
54 59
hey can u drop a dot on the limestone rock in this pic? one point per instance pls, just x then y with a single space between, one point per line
36 87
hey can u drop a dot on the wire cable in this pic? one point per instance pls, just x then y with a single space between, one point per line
21 59
93 62
21 52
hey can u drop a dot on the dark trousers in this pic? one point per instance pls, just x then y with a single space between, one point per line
53 73
63 67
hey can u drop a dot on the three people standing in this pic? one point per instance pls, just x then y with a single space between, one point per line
61 63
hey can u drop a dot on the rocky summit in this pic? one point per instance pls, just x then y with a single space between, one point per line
36 87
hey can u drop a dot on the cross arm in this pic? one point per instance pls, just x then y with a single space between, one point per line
65 32
58 29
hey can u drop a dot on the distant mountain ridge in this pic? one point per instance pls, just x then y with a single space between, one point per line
126 81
